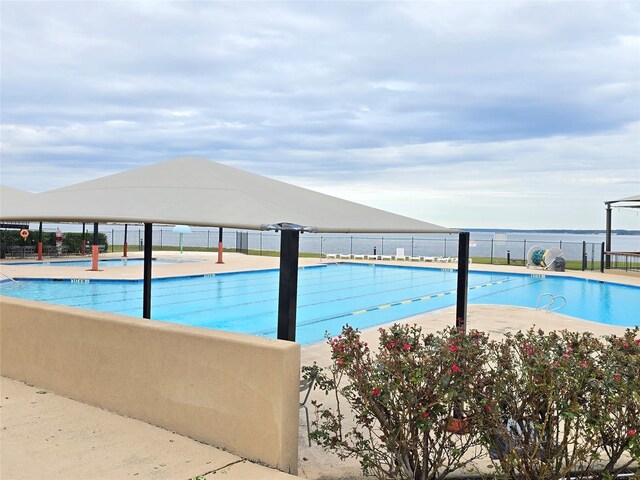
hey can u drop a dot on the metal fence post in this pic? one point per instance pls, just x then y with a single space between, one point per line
584 255
602 258
382 247
445 248
491 251
112 241
524 252
351 250
161 246
412 246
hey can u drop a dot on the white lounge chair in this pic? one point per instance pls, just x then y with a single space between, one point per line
358 257
345 256
386 257
400 254
372 257
428 259
331 255
414 259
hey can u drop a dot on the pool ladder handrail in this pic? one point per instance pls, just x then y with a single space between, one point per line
10 278
552 298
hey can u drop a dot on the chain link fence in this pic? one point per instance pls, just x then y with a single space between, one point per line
498 251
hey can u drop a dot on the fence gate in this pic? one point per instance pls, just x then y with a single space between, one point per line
242 242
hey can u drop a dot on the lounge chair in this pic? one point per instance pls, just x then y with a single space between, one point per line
345 256
372 257
358 257
428 259
331 255
400 254
386 257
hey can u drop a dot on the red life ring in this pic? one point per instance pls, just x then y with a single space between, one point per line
24 233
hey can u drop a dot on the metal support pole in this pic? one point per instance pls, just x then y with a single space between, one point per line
40 242
602 257
94 248
584 255
124 246
288 299
146 287
84 240
220 245
463 281
607 246
112 242
524 253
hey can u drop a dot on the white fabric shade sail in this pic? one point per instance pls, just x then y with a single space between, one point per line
193 191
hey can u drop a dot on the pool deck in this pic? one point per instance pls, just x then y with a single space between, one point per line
48 436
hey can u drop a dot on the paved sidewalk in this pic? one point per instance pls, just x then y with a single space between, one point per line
46 436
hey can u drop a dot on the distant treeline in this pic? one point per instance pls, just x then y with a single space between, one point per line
618 231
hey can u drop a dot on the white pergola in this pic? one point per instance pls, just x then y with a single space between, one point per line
626 202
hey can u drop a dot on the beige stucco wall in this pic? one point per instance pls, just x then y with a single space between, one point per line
233 391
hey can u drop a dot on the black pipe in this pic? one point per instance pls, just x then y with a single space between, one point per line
463 282
584 255
288 297
146 288
602 257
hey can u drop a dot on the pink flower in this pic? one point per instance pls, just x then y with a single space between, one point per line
565 355
455 368
376 392
556 364
453 348
637 340
585 364
631 432
425 415
625 345
617 377
340 361
406 347
389 345
530 351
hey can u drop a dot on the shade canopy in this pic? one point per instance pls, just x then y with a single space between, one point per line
629 202
194 191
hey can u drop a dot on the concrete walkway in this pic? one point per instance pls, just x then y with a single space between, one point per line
46 436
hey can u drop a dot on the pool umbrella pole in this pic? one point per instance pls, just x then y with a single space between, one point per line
40 242
220 245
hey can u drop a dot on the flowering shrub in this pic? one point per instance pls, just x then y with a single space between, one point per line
543 405
409 401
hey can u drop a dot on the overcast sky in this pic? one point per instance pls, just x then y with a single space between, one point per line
465 114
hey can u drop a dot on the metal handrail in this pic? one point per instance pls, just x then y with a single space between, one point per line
10 278
552 298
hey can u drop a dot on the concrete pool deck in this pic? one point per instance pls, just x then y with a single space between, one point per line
48 436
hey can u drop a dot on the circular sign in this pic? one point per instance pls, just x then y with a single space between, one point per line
24 233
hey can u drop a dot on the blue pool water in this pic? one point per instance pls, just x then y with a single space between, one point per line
330 296
109 262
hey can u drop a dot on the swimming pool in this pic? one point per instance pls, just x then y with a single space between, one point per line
330 296
107 262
